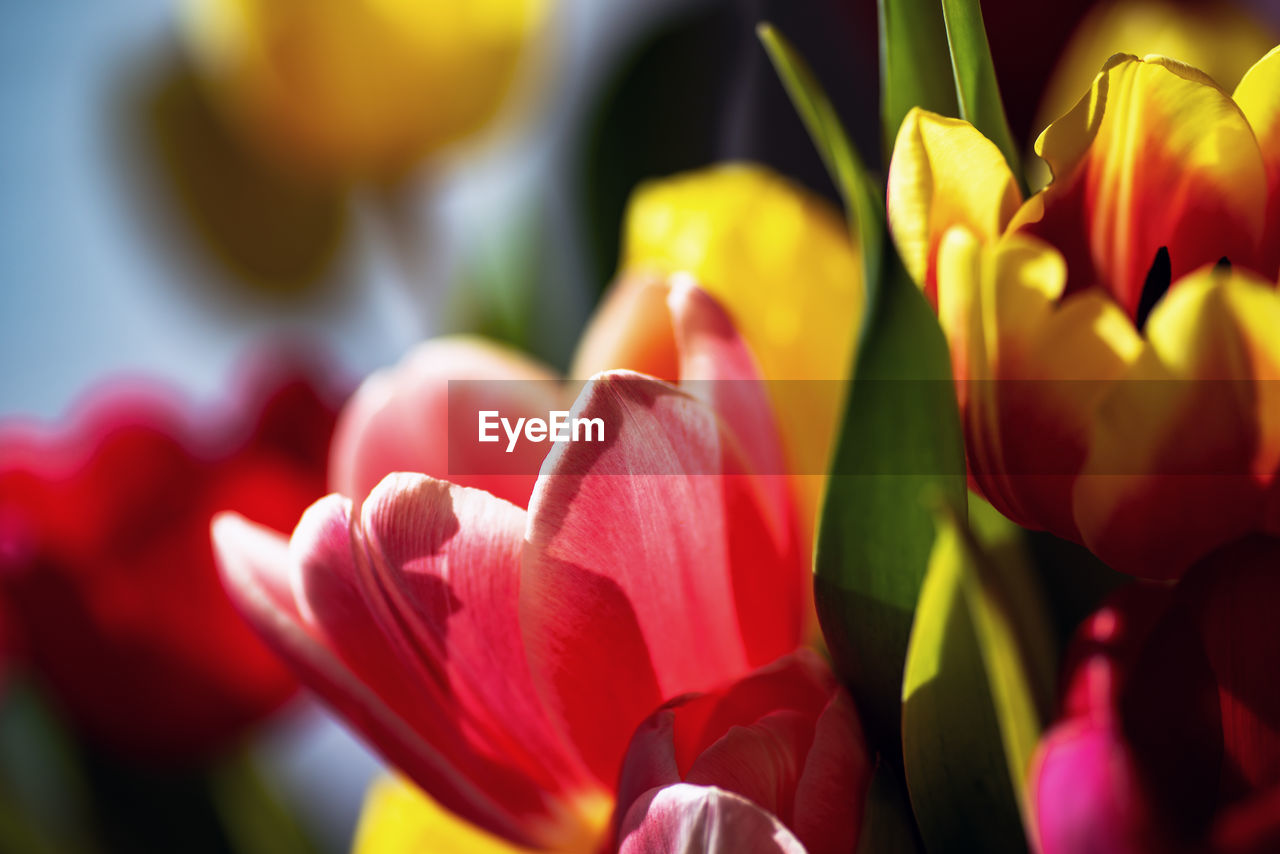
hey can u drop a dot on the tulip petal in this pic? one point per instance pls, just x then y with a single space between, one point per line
702 820
1185 447
1155 156
1258 96
400 419
398 818
657 541
254 562
1250 827
1030 369
1236 595
780 262
388 627
717 367
631 330
786 737
1087 796
945 173
442 576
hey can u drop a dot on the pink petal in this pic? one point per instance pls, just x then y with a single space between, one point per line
640 588
1087 796
255 562
702 820
411 617
717 367
445 561
785 737
760 760
405 419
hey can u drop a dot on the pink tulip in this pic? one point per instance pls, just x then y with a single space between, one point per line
503 658
1170 739
786 739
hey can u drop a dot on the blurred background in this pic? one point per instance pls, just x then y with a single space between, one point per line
219 215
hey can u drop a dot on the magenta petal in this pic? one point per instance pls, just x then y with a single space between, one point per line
702 820
1087 795
643 587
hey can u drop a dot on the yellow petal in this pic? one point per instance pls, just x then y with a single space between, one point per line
1156 155
1220 38
1258 95
1030 369
944 173
398 818
1186 446
346 89
781 262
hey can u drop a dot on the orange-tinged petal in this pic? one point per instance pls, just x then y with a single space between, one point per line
1156 155
631 330
944 173
1184 449
1030 369
1258 96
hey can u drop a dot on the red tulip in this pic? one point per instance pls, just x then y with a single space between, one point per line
1170 740
785 739
503 658
112 595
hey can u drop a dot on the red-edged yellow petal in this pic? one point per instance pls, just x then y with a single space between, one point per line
1030 369
1258 96
1156 155
1220 39
944 173
1184 449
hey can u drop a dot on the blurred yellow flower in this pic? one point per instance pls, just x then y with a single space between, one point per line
359 90
781 262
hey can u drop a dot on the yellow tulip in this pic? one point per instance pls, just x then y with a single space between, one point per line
1142 423
359 89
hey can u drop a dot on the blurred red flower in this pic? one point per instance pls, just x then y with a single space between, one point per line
1170 737
107 575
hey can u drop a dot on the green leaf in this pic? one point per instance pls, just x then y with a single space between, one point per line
914 70
977 93
862 200
900 439
976 690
